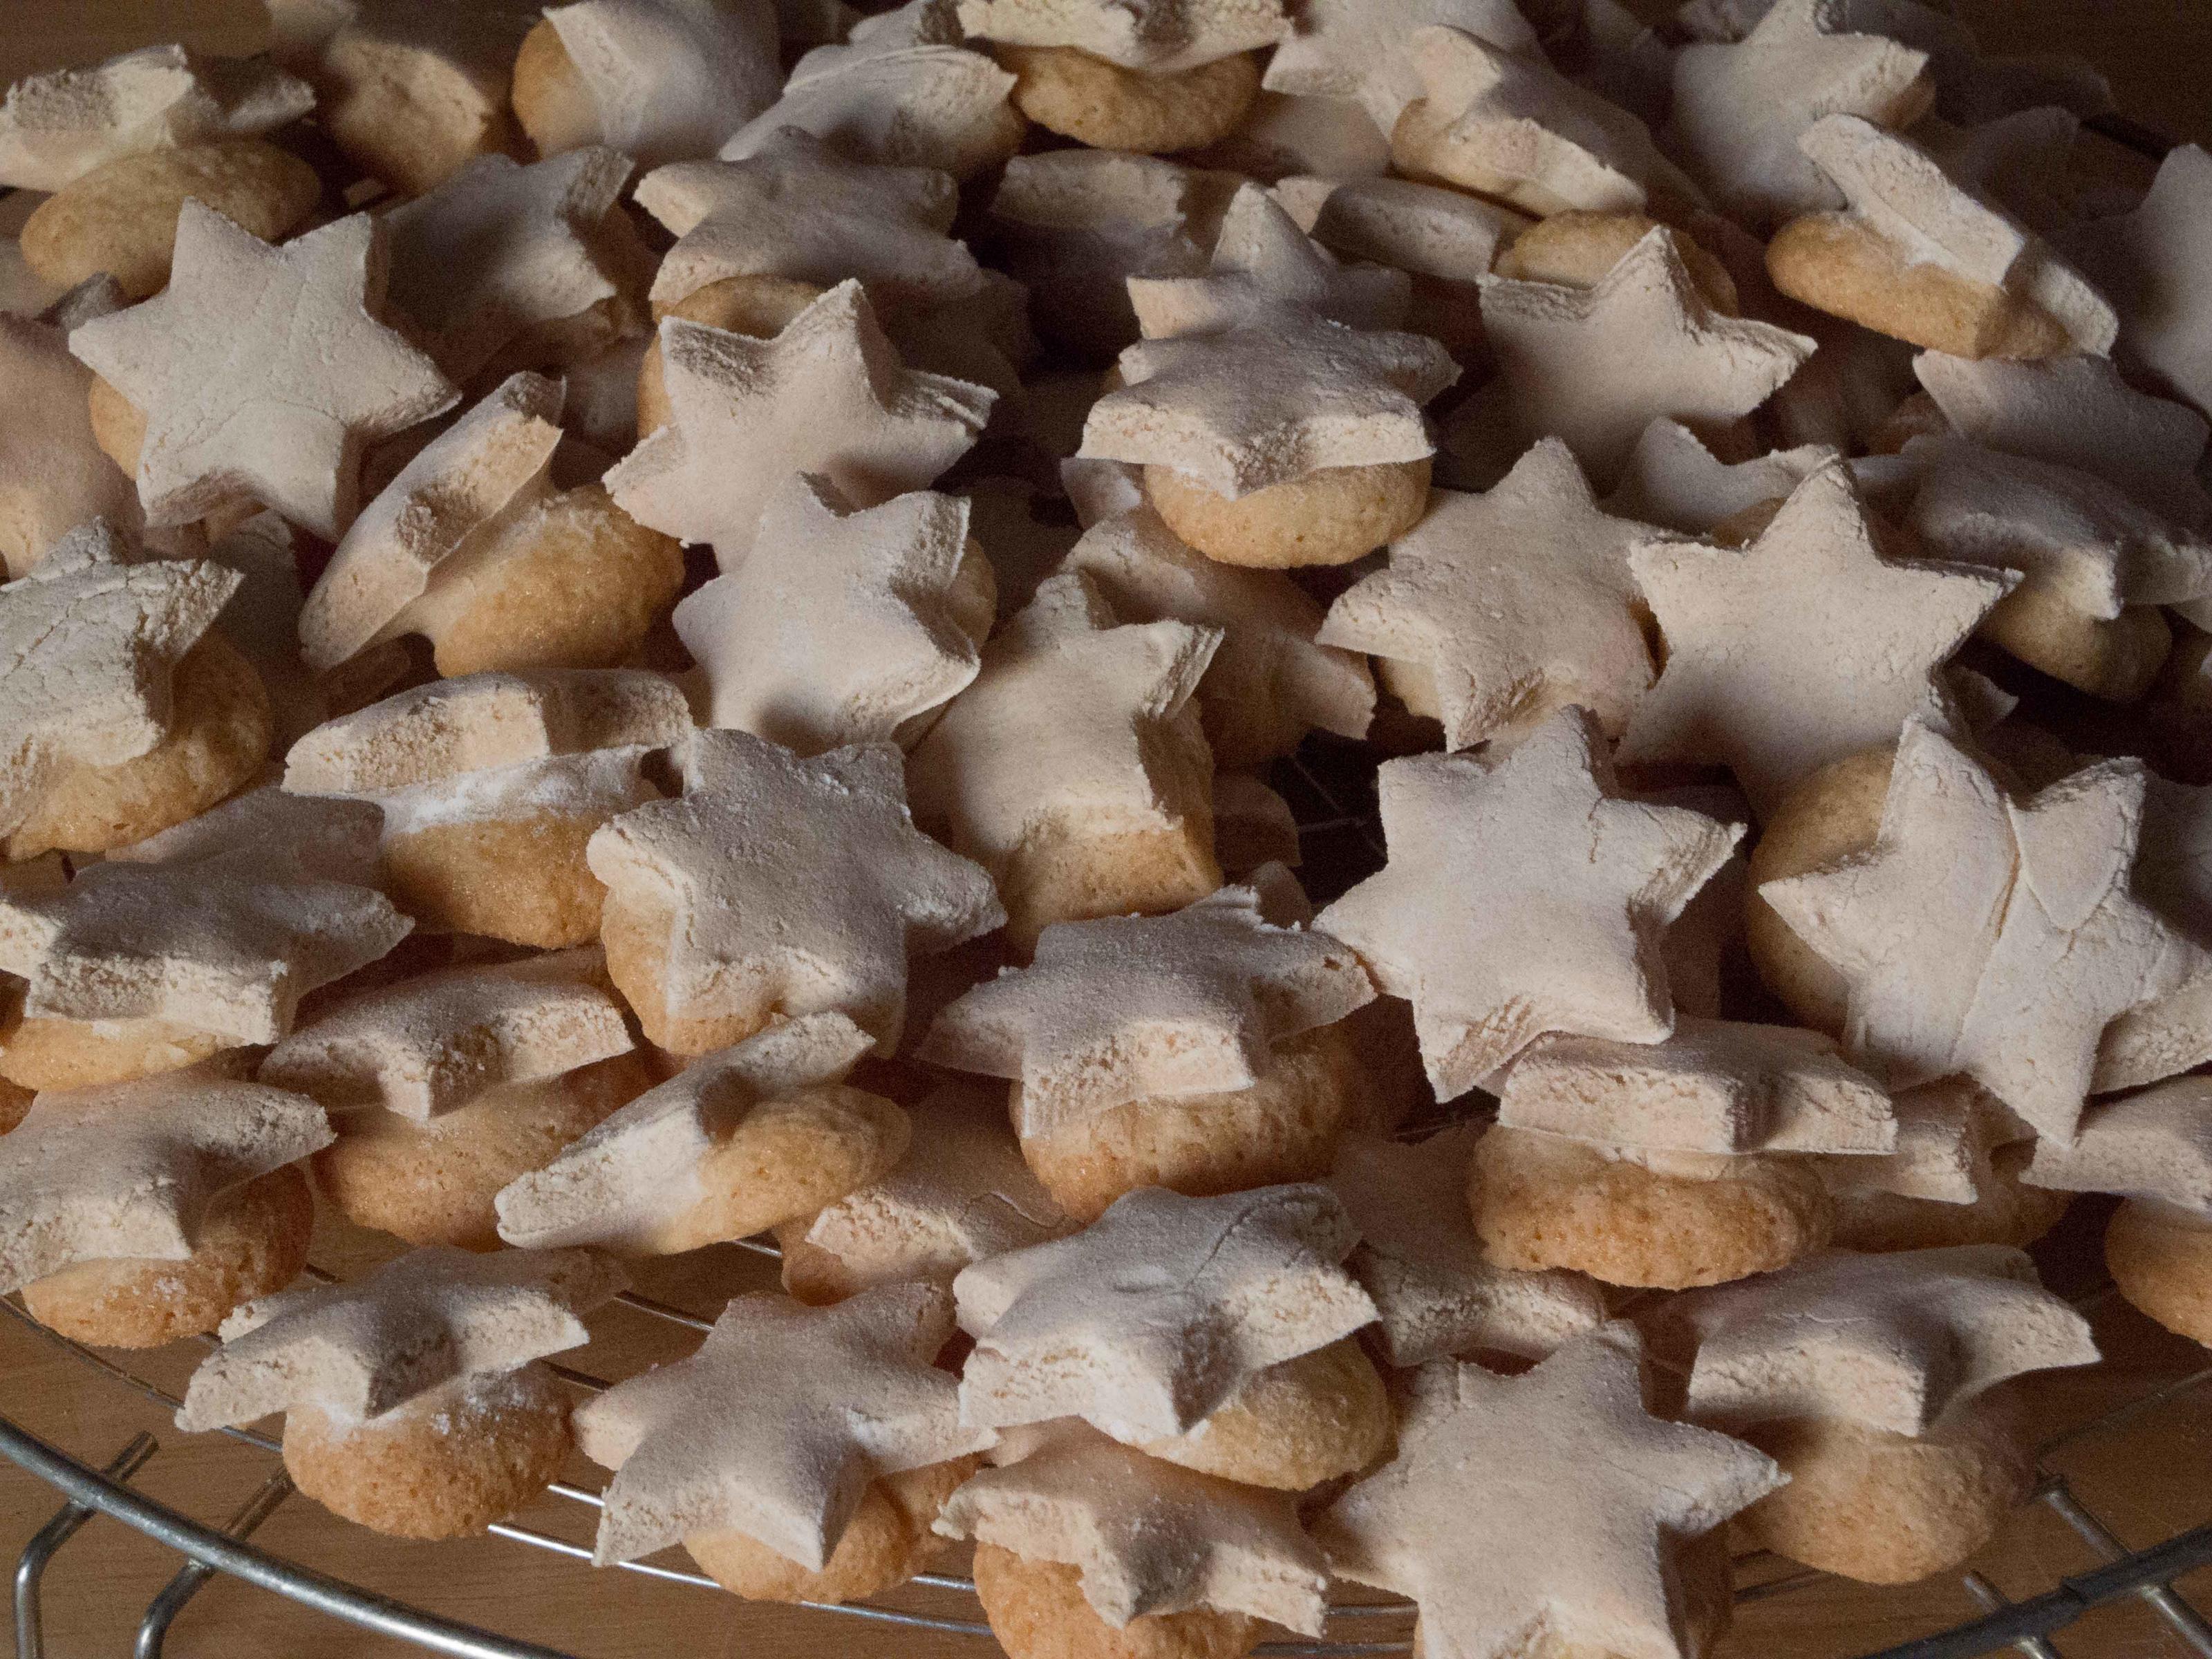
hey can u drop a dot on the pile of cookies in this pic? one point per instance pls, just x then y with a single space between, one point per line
671 620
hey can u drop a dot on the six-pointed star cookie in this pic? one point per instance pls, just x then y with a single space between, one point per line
130 1170
804 876
53 477
774 1427
1891 1341
1436 1290
263 371
1128 1006
1739 106
2156 1144
2155 266
1274 399
796 209
1262 262
1157 37
433 1315
1362 48
842 625
1508 605
1147 1538
828 395
1545 1507
1596 365
1158 1312
1990 935
1524 897
1804 647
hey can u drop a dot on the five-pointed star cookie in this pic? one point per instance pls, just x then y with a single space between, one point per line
1435 1290
807 875
669 80
1989 934
57 127
797 209
263 371
1274 399
1147 1537
1128 1006
500 250
88 647
775 1426
1524 897
427 1046
2155 266
1157 37
1362 48
828 395
1262 262
1714 1086
1596 365
1890 1340
131 1170
2156 1144
1158 1312
53 477
1544 1507
842 625
1510 603
362 1349
1802 647
1673 481
1740 106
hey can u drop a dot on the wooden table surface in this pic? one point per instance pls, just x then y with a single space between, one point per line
2148 1477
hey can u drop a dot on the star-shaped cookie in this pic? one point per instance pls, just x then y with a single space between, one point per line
797 209
669 80
1270 400
1436 1292
927 104
1362 48
263 372
1740 106
1596 365
1158 1312
1673 481
828 395
1991 934
1262 262
2155 265
1147 1537
843 625
131 1170
2156 1145
807 876
1510 603
1890 1340
1156 37
53 475
775 1426
1130 1006
362 1349
1804 646
1544 1507
1524 897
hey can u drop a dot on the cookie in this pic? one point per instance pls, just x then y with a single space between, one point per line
56 474
1263 260
1956 1177
1577 248
1105 106
897 102
2145 262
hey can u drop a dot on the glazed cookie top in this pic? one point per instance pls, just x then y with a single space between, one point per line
640 1169
796 209
89 648
284 836
1362 49
1436 1290
1125 1007
261 371
828 395
844 626
1157 37
427 1046
1159 1312
671 79
1989 933
1262 262
807 874
1582 1499
1514 601
1890 1340
57 127
432 1317
1244 408
1147 1537
1672 480
1523 897
827 1399
2155 265
130 1170
2156 1144
1802 647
